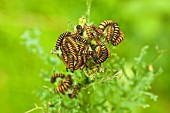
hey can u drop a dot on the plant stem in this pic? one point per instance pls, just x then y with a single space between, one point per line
88 11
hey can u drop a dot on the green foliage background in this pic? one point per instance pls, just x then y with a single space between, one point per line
145 22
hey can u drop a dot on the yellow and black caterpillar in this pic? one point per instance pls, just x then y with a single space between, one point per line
78 47
73 94
64 85
58 75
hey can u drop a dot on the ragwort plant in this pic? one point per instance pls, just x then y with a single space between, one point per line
117 86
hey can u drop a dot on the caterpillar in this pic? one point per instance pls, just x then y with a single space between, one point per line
73 94
58 75
99 31
72 41
64 85
105 23
109 33
71 50
115 42
79 61
61 37
102 57
116 32
97 38
60 85
65 60
68 80
82 47
77 50
71 63
88 31
84 62
63 44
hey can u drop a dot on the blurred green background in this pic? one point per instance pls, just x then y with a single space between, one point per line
145 22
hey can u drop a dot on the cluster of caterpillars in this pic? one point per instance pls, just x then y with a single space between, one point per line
77 47
64 84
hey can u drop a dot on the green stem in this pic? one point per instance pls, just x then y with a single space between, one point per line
88 11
